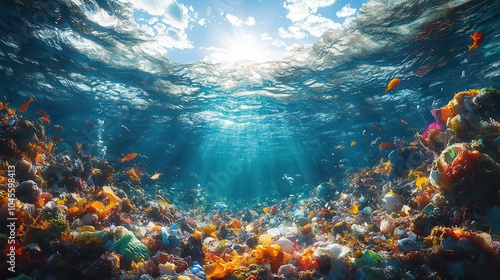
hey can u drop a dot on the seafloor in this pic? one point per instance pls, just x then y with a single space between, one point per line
428 211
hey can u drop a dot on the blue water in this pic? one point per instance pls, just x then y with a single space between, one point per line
238 131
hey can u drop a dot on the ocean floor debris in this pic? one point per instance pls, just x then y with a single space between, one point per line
433 218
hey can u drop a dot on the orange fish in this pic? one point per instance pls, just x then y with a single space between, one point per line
477 37
1 105
25 105
41 113
353 143
377 127
341 147
386 145
128 157
57 139
155 176
44 120
394 82
404 121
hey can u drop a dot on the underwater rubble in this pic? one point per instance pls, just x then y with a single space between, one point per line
431 210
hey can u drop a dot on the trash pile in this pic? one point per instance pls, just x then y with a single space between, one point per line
431 210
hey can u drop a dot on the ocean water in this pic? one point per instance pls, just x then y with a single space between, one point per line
236 132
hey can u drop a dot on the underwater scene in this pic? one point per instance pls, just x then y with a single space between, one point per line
233 139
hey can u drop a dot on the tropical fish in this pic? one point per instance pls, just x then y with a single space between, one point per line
156 176
404 121
341 147
377 127
477 37
394 82
25 105
44 120
386 145
353 143
41 113
128 157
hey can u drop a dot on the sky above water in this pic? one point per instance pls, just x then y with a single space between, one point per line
227 31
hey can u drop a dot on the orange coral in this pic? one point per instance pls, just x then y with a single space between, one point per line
272 254
455 163
307 260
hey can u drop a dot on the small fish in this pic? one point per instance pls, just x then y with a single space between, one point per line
156 176
57 139
58 128
340 147
404 121
41 113
125 128
89 123
477 37
377 127
353 143
386 145
44 120
394 82
25 105
128 157
1 105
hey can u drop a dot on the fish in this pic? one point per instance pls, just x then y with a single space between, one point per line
404 121
41 113
25 105
341 147
386 145
1 105
128 157
44 120
156 176
125 128
477 37
58 128
89 123
353 143
394 82
57 139
377 127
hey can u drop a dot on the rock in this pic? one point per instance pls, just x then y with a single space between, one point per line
28 192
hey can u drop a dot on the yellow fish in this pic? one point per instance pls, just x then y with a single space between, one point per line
156 176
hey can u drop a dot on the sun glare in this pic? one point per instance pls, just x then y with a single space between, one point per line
242 47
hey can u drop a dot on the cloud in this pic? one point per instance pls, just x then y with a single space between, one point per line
167 25
202 22
346 11
153 7
237 22
265 36
292 32
305 19
300 9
